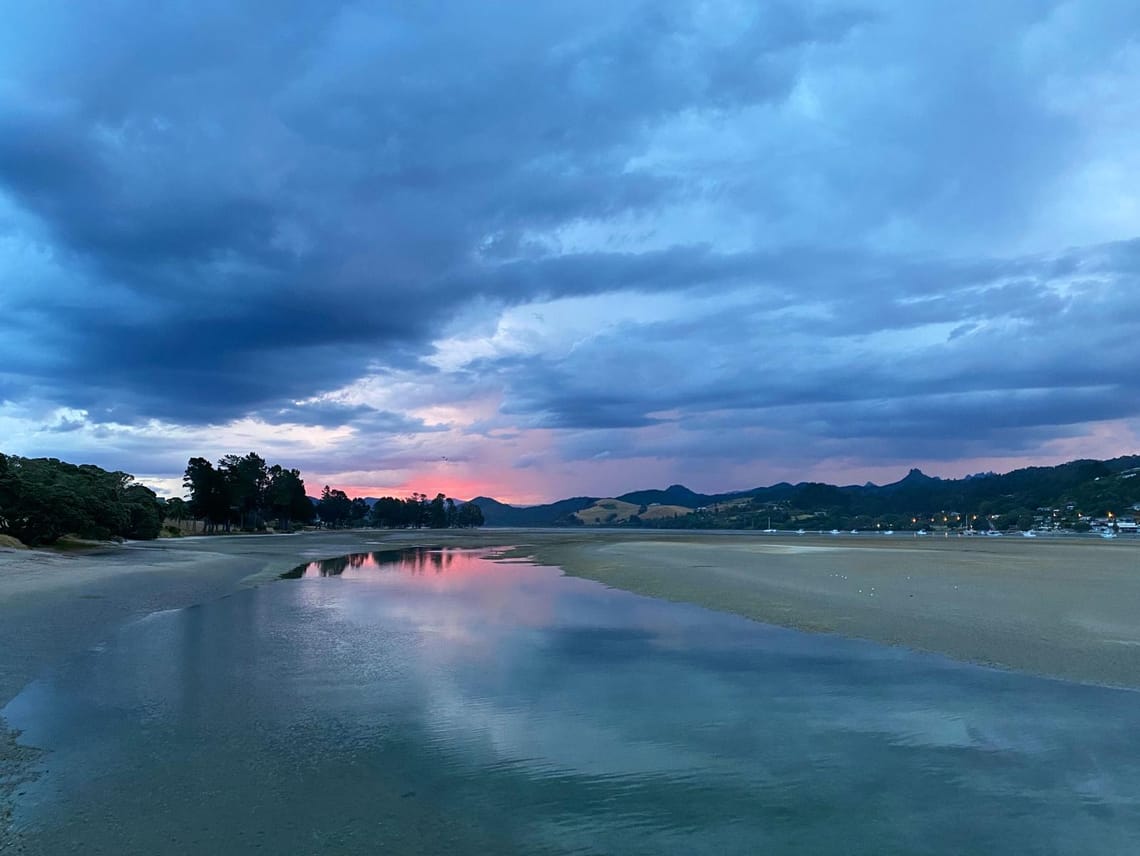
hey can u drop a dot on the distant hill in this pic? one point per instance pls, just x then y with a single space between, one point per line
559 513
675 494
1078 486
1095 486
613 512
916 479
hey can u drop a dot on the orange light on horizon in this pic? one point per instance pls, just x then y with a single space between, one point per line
455 488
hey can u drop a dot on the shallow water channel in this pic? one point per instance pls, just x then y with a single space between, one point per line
437 701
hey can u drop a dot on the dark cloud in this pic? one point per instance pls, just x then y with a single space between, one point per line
266 198
1003 362
333 414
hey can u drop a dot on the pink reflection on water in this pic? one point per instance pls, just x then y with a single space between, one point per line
444 568
443 589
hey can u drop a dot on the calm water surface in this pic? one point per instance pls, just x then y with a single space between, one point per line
435 701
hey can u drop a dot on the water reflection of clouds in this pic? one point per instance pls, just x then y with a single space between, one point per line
602 658
523 681
571 712
590 706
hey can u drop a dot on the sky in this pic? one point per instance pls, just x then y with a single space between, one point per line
533 250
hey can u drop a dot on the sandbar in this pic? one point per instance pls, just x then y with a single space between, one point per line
1058 607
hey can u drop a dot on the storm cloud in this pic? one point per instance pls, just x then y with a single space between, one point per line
712 241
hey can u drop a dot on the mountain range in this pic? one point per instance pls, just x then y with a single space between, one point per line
1099 486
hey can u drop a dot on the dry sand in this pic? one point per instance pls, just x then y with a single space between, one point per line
1067 608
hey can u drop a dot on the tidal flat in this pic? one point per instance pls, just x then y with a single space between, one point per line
88 640
1056 607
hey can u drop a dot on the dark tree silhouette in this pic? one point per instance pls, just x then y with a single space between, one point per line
42 499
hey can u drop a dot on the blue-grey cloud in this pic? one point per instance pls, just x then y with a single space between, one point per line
863 209
326 197
1005 355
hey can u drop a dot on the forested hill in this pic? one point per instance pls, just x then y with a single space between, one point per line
1083 487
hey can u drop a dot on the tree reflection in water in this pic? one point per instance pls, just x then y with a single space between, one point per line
413 560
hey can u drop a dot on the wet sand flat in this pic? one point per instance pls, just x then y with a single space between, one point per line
1063 608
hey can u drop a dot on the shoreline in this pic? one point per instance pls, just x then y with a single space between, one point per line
1056 607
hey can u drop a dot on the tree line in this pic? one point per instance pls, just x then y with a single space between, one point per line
336 510
43 499
245 492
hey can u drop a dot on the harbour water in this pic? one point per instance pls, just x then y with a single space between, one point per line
438 701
